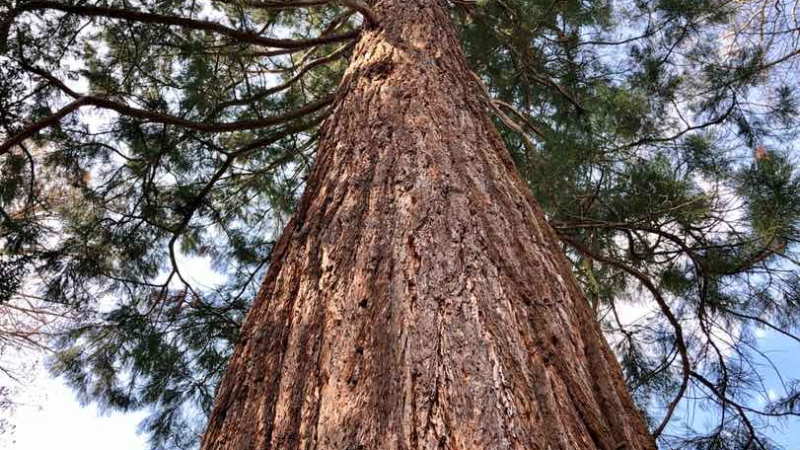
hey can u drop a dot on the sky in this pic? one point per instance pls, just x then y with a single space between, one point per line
785 354
51 418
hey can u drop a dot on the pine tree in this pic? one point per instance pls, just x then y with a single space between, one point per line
419 296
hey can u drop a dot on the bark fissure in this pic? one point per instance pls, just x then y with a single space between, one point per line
418 299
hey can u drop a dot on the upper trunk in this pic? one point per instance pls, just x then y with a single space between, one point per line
419 299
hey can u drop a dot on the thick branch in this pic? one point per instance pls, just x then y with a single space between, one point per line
151 116
339 53
193 24
210 127
39 125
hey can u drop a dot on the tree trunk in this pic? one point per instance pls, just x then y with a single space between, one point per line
418 299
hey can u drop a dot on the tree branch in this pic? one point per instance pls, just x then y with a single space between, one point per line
193 24
39 125
151 116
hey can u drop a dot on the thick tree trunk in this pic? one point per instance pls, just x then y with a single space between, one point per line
418 299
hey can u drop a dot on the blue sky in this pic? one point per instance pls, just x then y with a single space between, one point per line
785 353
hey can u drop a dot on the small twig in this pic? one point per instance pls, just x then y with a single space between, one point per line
494 106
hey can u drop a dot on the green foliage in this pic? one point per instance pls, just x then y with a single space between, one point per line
770 189
12 273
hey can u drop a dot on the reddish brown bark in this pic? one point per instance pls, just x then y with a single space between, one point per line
418 299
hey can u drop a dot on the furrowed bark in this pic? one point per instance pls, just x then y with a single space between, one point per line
419 299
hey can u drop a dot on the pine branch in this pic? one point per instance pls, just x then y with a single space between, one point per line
229 161
192 24
41 124
739 408
338 53
151 116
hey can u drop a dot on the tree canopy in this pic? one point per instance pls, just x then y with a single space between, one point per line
145 139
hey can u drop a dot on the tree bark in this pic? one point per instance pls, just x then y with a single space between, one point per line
419 299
